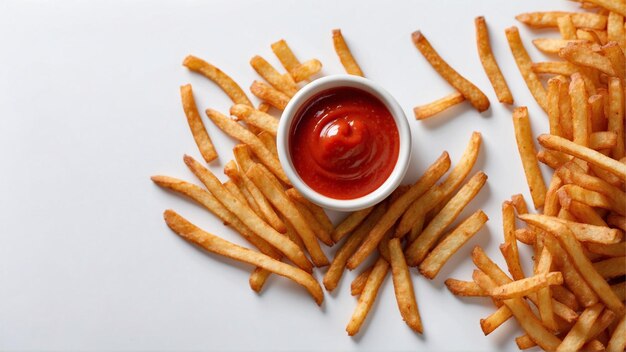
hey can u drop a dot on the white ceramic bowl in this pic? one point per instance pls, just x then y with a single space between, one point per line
404 133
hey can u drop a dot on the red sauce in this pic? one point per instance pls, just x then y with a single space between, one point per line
344 143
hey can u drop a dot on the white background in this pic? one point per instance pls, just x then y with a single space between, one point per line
90 109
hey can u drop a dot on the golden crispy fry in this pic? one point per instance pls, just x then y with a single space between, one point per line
553 159
258 278
230 87
520 309
544 295
523 287
310 219
435 195
554 68
526 236
219 246
433 108
565 111
582 54
335 271
398 207
208 201
247 216
611 5
617 343
551 205
565 296
403 287
560 144
259 119
602 140
417 251
345 56
472 93
591 233
451 243
554 114
245 162
582 263
269 142
525 67
368 296
497 318
244 198
577 336
553 45
580 110
267 93
615 196
566 27
524 342
306 70
285 206
200 135
582 212
356 287
616 57
490 65
465 288
508 227
528 154
350 223
616 115
608 250
286 57
615 29
283 83
549 19
237 131
611 268
315 209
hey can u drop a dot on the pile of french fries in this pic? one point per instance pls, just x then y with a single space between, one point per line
410 227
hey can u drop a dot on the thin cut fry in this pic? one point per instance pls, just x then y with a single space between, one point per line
228 85
566 27
554 115
285 56
259 119
472 93
512 257
615 30
306 70
616 115
199 132
523 287
403 287
345 56
433 108
616 57
553 45
549 19
465 288
350 223
544 295
528 154
580 110
283 83
617 343
582 54
490 65
554 68
219 246
368 296
577 336
357 285
497 318
611 268
310 219
269 142
611 5
274 97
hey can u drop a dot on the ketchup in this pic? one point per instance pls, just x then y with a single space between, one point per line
344 143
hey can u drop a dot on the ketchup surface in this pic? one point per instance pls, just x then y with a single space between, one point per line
344 143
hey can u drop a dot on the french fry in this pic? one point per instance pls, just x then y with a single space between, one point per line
398 207
602 140
526 236
216 245
465 288
269 142
591 233
318 212
199 132
285 206
528 154
256 118
580 111
551 204
616 115
345 56
283 83
582 54
244 198
508 226
497 318
247 216
553 45
306 70
553 159
524 342
433 108
227 84
490 65
356 287
451 243
616 57
310 219
615 30
258 278
554 68
523 287
417 251
245 162
617 342
565 296
560 144
582 263
368 296
265 92
614 6
435 195
335 271
617 221
608 250
350 223
472 93
583 212
579 194
524 65
619 290
615 196
565 110
286 57
544 295
611 268
549 19
554 114
576 337
403 287
237 131
566 27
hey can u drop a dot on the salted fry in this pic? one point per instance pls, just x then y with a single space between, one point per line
565 110
616 115
465 288
316 210
578 335
237 131
614 53
350 223
508 227
526 236
497 318
528 154
417 251
611 268
451 243
345 56
617 343
566 27
199 132
247 216
368 296
582 54
398 207
216 245
549 19
554 114
524 65
553 45
310 219
490 65
523 287
611 5
554 68
259 119
580 110
285 206
615 30
560 144
403 287
265 92
472 93
283 83
356 287
433 108
227 84
286 57
544 295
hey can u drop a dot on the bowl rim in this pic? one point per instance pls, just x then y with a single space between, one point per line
404 133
